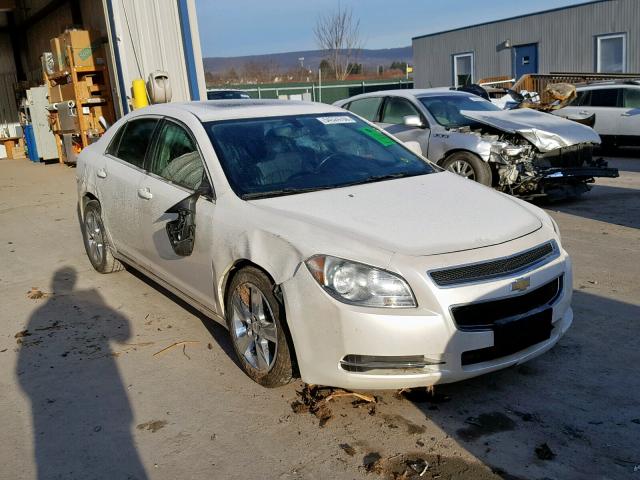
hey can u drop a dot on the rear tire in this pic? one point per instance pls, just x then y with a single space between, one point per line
470 166
257 328
95 239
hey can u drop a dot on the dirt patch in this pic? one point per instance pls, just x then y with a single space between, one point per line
315 400
35 293
422 395
544 452
393 421
431 467
348 449
486 424
153 426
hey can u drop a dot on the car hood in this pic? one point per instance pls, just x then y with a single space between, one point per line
545 131
424 215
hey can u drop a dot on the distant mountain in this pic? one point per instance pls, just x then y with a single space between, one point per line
312 59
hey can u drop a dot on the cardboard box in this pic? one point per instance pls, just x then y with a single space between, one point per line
86 48
57 51
64 92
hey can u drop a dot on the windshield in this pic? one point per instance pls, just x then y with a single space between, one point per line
445 109
226 95
275 156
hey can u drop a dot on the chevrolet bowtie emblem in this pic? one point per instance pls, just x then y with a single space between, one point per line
521 284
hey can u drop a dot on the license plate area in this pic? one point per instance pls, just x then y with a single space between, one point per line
513 335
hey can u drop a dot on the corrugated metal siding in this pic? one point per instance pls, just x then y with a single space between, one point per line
150 39
8 109
565 38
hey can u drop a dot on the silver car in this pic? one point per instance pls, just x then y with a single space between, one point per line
521 152
616 105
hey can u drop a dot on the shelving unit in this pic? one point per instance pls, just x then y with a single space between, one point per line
92 100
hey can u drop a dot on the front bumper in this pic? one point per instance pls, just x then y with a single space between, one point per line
326 332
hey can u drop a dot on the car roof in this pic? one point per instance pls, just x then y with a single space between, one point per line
410 93
209 111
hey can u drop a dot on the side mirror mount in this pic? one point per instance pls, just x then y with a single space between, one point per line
414 147
413 121
205 189
182 230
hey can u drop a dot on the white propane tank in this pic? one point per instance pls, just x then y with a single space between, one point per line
159 87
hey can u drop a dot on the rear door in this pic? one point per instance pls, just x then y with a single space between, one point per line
630 116
368 108
606 104
392 120
118 184
175 170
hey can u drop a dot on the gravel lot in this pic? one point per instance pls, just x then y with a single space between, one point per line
82 395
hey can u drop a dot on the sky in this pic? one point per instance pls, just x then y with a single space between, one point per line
253 27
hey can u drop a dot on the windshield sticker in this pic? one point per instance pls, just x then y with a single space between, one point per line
336 120
378 136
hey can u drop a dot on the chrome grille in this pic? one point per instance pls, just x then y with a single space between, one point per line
495 268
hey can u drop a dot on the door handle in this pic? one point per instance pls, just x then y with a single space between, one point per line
101 173
625 114
583 112
145 193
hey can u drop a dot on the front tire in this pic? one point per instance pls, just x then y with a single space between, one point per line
256 324
96 242
470 166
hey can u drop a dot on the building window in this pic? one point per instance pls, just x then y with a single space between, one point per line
611 53
462 69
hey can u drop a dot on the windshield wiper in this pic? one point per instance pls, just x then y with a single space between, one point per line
292 191
284 191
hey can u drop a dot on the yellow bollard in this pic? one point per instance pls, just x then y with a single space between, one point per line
139 89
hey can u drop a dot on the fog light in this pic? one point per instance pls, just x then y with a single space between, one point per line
365 363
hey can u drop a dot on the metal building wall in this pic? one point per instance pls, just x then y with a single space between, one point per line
566 41
8 109
149 37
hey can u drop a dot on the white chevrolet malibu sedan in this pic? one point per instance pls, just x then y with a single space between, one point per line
327 247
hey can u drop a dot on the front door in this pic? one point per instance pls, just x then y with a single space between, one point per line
630 116
394 111
525 58
176 170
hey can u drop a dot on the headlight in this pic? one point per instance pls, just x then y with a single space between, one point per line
506 149
359 284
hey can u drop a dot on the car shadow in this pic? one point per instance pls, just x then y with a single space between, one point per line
82 418
522 423
616 205
218 332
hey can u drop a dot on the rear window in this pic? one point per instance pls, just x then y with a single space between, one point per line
632 97
135 140
602 97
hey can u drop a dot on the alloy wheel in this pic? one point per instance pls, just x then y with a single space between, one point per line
95 237
254 328
462 168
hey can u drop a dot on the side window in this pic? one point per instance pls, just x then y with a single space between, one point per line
176 157
580 98
366 108
135 140
604 97
112 149
631 97
396 109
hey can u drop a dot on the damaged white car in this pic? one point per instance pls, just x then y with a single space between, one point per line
325 245
521 152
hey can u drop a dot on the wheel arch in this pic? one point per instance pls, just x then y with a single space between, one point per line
223 288
450 152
